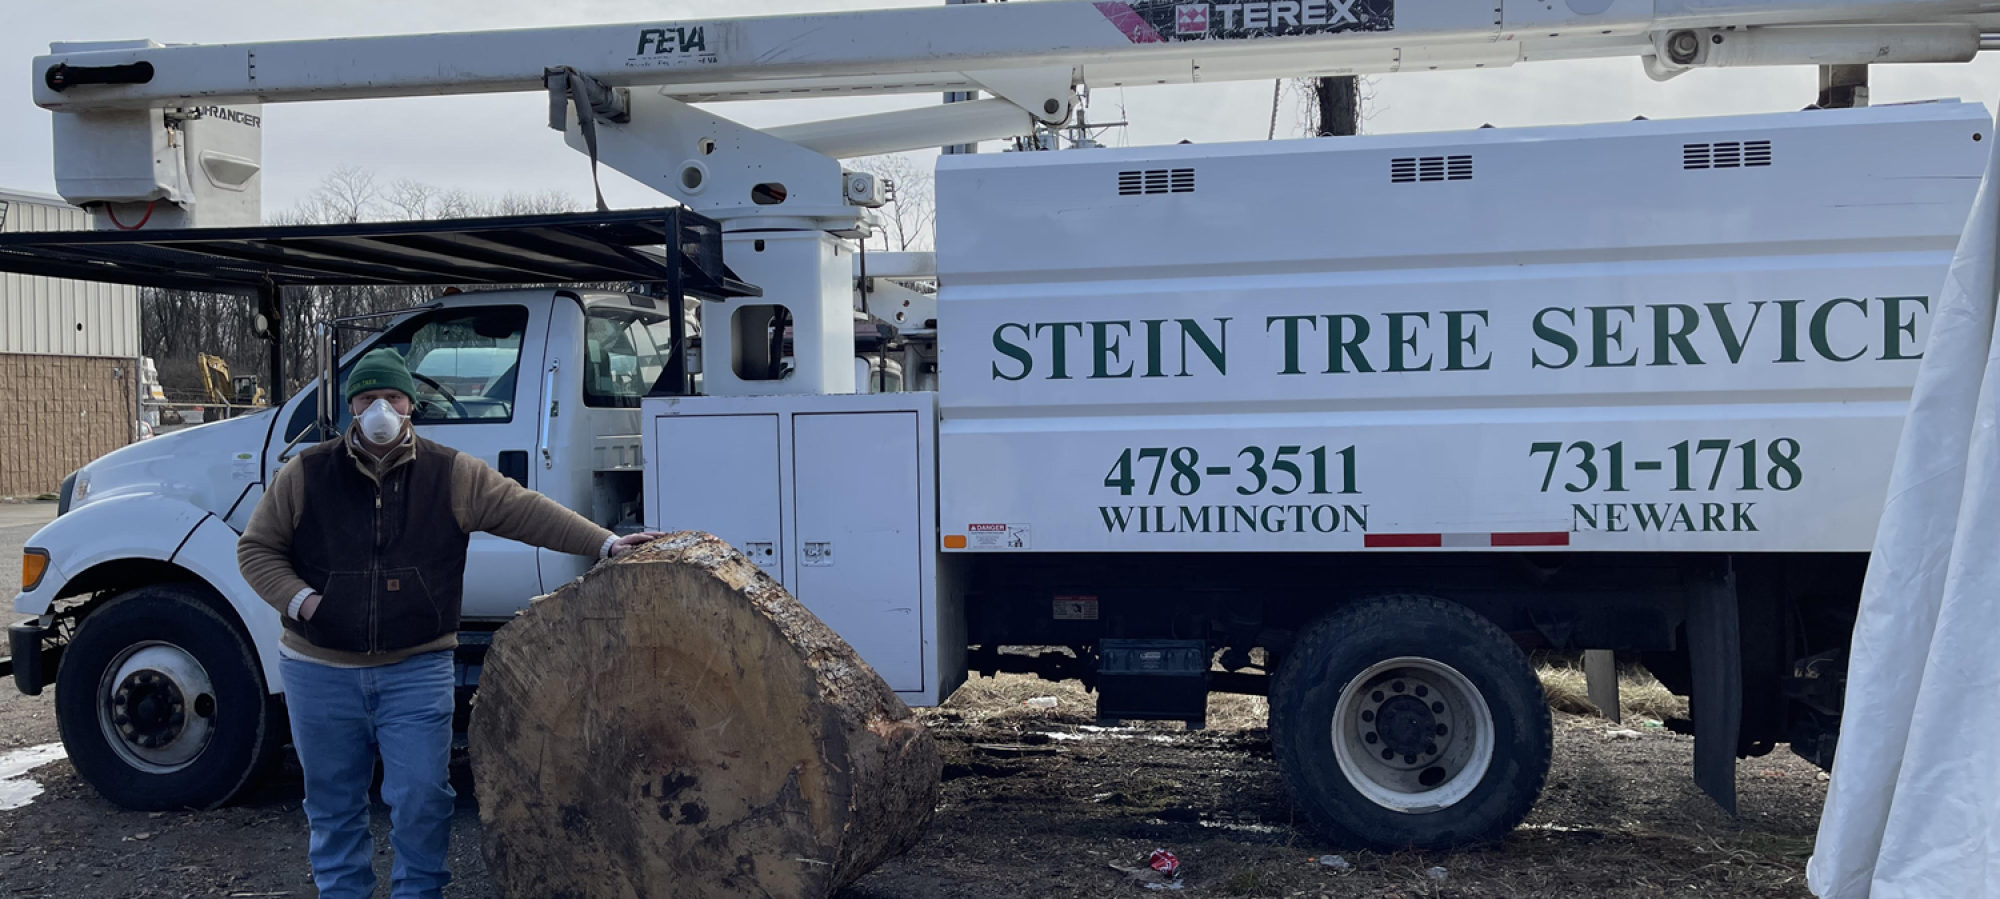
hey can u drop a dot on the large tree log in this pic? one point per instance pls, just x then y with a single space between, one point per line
676 724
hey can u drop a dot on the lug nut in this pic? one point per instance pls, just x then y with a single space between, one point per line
1378 696
1442 730
1409 760
1430 749
1388 755
1367 715
1397 686
1437 707
1423 690
1370 737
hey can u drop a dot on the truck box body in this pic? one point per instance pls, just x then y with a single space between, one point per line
1640 336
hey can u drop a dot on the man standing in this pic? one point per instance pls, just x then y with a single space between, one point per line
361 543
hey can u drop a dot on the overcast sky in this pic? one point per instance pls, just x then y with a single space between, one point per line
498 143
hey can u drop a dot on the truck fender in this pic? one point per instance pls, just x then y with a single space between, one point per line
149 527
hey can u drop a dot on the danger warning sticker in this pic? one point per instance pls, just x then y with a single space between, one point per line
996 536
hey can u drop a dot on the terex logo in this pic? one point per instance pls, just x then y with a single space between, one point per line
1282 14
678 39
1191 18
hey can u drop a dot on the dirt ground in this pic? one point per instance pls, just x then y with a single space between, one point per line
1620 817
1046 818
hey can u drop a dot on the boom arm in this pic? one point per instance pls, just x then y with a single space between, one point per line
168 135
928 50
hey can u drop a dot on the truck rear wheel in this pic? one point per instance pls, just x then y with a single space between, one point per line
1408 721
161 702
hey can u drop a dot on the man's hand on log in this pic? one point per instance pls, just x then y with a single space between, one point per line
630 542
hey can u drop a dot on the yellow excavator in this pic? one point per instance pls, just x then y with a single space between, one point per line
225 391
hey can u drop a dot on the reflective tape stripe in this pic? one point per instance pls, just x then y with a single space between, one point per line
1465 541
1397 541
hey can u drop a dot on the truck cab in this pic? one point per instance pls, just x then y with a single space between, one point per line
543 385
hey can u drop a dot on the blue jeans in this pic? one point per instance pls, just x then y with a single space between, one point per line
341 719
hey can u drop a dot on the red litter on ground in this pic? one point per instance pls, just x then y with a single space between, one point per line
1165 862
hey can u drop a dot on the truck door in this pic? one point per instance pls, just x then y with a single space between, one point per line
475 369
477 393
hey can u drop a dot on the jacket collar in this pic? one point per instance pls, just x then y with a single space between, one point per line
402 453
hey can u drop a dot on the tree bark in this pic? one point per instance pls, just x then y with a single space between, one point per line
675 724
1339 105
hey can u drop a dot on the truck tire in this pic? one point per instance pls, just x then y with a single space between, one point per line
162 704
1409 722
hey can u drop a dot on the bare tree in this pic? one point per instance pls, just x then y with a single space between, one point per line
412 200
910 221
178 325
346 195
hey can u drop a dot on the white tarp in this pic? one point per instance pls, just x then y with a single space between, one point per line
1913 811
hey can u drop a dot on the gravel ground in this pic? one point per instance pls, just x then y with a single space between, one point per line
1620 817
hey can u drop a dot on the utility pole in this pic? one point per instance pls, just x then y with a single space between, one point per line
1339 106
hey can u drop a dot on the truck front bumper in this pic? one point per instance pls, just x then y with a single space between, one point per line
32 668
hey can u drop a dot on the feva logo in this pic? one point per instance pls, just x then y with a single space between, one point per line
677 39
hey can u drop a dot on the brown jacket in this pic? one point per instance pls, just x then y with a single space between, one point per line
481 500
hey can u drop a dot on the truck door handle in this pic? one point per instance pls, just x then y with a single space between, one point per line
514 464
548 411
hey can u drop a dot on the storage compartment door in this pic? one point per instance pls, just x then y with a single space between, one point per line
720 474
860 552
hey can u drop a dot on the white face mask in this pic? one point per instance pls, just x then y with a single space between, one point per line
380 423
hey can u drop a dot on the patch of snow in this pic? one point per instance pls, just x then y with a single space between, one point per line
16 789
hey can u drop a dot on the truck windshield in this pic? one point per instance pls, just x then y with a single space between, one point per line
625 350
464 363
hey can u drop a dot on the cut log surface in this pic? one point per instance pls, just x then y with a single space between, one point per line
675 724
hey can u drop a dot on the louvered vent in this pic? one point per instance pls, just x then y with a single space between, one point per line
1727 154
1430 168
1156 181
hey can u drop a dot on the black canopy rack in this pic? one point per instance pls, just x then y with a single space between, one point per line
673 247
643 245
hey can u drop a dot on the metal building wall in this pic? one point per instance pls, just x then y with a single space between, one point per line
53 317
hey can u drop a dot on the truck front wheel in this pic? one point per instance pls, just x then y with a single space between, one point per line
1408 721
161 703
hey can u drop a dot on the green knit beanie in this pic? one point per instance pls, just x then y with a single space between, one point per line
380 370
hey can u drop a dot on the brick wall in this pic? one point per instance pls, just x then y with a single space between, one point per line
58 413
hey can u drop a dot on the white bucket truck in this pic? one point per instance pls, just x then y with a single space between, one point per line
1351 423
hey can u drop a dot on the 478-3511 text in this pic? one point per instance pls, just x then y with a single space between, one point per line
1281 471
